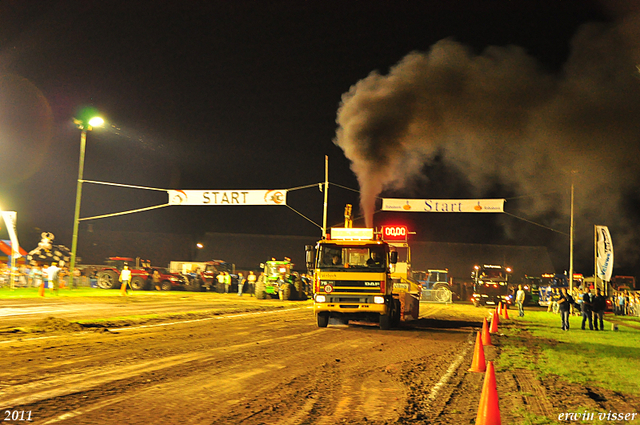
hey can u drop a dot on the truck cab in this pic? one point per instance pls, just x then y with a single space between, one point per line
491 285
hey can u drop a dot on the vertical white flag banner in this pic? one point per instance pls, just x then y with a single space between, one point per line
10 221
604 254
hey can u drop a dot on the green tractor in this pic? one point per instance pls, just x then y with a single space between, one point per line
277 281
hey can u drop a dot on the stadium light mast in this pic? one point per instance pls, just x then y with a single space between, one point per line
84 126
573 172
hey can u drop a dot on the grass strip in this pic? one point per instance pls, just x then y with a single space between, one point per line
608 359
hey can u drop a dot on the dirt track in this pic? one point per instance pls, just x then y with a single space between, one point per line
234 366
219 359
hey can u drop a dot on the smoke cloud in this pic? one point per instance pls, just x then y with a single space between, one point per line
500 117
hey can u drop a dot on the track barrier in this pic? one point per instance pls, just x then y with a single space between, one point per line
494 323
486 337
489 409
478 362
505 313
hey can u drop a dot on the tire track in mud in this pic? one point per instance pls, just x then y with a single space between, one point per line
36 391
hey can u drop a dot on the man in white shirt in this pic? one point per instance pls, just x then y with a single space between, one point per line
54 277
125 278
520 300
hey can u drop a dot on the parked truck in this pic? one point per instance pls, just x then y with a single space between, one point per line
491 285
352 280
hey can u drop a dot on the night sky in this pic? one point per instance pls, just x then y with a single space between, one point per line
246 95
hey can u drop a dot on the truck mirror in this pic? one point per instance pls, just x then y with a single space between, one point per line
262 265
394 257
309 256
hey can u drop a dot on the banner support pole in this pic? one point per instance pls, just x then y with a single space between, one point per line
595 255
326 196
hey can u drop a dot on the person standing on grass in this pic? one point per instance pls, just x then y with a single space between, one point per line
54 277
227 282
520 301
564 306
251 280
241 280
125 278
36 276
587 307
45 276
620 303
220 278
599 304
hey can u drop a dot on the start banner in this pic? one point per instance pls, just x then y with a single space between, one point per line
227 197
444 205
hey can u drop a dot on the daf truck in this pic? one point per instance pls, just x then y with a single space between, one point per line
352 280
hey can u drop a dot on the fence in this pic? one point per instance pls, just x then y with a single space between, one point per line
23 282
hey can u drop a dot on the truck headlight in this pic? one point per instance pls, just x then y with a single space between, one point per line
378 300
321 298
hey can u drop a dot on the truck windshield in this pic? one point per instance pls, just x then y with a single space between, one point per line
352 258
491 274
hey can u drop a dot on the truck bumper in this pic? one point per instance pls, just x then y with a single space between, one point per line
350 308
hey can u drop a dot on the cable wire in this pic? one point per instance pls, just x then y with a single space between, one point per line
303 216
304 187
124 212
534 223
124 185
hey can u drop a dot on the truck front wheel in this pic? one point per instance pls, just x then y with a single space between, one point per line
323 319
385 322
395 318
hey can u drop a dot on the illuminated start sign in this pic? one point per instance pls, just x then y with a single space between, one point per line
394 233
354 234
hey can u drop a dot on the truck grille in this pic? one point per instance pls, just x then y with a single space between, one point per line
361 290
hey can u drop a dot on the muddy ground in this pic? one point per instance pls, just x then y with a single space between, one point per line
221 359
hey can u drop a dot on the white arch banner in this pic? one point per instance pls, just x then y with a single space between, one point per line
444 205
228 197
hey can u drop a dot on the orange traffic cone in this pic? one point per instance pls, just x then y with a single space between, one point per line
478 362
499 308
505 313
486 338
489 409
494 323
41 290
123 288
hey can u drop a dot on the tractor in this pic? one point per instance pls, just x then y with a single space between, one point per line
278 281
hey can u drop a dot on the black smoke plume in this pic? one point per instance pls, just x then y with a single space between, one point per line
500 117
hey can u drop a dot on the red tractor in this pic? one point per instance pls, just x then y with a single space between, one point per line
109 275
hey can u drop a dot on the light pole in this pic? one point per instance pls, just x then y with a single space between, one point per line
84 127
